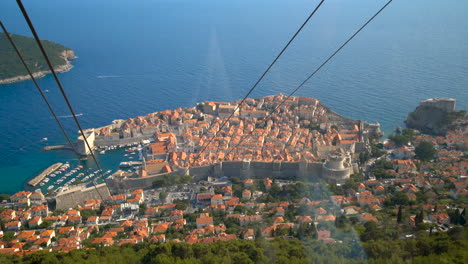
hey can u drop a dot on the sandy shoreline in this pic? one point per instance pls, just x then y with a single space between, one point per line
66 54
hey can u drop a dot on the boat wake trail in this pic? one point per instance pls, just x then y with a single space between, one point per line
68 116
108 76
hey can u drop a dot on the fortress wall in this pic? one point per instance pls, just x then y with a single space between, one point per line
245 169
80 194
445 104
201 172
81 146
313 170
140 183
116 142
232 168
261 169
289 169
118 186
115 187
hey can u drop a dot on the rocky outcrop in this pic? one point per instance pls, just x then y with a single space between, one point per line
433 116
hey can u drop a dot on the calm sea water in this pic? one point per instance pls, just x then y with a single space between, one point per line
143 56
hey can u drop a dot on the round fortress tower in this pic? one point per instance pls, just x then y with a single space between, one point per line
336 162
337 168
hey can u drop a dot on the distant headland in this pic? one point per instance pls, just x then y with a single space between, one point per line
11 68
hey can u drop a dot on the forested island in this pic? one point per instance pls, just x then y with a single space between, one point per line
11 68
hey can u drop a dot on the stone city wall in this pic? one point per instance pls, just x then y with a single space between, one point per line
79 194
242 169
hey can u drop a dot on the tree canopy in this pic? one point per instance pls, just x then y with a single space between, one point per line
441 247
10 64
425 151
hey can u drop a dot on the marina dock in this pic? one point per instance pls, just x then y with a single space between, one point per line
36 180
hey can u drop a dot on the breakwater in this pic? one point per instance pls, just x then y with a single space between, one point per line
56 147
36 180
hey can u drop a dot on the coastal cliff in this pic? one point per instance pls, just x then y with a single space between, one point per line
11 68
435 116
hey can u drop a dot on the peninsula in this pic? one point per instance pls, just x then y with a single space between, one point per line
11 68
302 136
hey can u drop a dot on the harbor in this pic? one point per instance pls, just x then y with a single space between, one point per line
74 171
36 180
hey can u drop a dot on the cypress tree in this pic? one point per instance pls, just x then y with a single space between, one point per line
456 217
258 234
399 216
313 231
462 220
301 232
419 218
416 219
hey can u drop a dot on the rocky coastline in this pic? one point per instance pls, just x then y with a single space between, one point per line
68 55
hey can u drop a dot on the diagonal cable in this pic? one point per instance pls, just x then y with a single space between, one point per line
33 30
38 88
259 80
314 72
44 97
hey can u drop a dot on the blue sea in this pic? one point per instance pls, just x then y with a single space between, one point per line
136 57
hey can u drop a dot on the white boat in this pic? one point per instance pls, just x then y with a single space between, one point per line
50 187
102 152
124 164
42 184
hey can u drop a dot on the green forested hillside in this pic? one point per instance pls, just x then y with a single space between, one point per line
11 66
449 247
